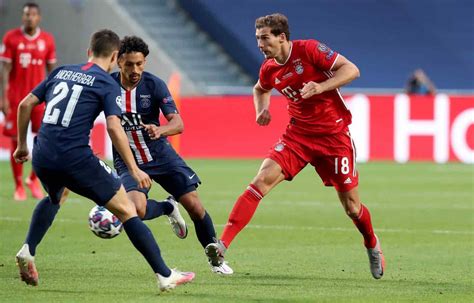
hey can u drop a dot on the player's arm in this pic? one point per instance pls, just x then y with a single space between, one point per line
174 126
50 67
121 144
344 72
24 115
261 101
5 74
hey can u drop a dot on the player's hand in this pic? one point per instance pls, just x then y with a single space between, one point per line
142 178
264 117
153 131
310 89
21 154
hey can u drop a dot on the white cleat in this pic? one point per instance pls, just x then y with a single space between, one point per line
215 254
223 269
26 264
176 278
376 260
176 220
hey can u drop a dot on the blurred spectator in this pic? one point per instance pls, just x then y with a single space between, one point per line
420 84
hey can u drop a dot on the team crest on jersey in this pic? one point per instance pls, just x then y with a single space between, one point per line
299 68
145 102
279 147
41 45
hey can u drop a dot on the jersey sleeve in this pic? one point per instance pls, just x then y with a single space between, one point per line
264 78
41 89
320 55
51 55
112 100
6 49
165 100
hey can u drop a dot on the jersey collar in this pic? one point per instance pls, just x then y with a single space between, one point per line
289 55
36 35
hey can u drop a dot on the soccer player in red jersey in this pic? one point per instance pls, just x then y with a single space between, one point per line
308 74
25 53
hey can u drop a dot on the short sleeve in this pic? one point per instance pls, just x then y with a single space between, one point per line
40 90
112 100
51 55
320 54
6 49
264 79
165 100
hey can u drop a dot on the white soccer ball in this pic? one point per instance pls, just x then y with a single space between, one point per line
103 223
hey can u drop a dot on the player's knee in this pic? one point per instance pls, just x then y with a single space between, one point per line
194 208
141 211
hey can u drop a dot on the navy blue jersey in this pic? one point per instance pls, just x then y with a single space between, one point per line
74 95
143 104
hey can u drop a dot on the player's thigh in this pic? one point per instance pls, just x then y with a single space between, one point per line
37 117
53 182
94 180
178 180
289 162
121 206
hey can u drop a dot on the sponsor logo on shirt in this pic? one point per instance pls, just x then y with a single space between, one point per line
287 75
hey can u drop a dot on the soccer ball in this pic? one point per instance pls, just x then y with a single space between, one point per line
103 223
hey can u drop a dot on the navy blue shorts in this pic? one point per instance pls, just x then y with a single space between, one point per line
92 179
176 180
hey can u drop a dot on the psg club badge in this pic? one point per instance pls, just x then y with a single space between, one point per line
145 102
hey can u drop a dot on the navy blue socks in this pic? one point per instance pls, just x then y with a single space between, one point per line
155 209
43 217
143 240
205 230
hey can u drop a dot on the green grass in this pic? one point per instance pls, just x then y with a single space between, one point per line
299 247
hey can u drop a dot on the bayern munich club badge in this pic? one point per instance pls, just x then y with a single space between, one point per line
299 68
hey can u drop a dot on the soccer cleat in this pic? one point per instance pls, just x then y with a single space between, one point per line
176 278
20 194
35 188
223 269
26 264
176 220
376 260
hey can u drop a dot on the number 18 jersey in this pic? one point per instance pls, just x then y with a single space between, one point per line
309 60
75 95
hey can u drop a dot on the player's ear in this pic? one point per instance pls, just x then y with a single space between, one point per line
113 59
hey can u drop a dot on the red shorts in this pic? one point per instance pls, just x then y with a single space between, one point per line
333 157
10 128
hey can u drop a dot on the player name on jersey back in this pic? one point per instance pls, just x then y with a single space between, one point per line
75 76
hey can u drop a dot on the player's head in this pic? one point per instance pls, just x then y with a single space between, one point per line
132 59
271 32
31 16
105 45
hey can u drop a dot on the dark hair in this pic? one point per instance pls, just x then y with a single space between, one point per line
130 44
104 43
278 23
32 5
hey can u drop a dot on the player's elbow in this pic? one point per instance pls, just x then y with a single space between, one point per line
355 72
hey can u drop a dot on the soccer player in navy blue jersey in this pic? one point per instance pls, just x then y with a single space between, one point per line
75 95
144 96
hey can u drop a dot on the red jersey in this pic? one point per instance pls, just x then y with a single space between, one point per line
309 60
28 55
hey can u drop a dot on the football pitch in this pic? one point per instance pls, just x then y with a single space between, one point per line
299 247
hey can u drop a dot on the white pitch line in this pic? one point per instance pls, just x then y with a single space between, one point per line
289 227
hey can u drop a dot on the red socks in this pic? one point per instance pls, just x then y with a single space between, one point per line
17 168
364 225
241 214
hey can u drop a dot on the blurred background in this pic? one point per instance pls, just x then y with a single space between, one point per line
206 51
